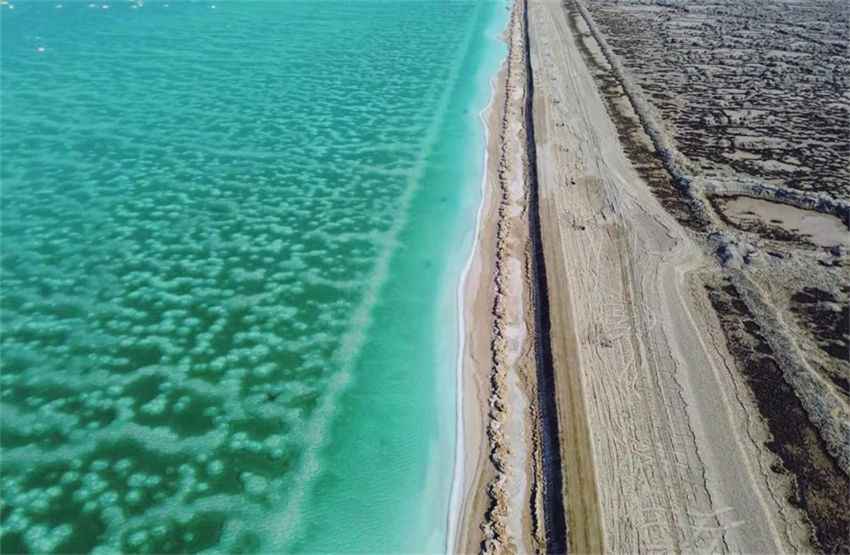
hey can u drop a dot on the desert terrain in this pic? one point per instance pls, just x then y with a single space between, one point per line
668 207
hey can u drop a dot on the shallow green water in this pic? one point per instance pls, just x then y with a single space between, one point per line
231 242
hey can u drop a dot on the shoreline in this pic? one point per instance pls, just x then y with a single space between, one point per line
458 475
471 280
465 471
498 491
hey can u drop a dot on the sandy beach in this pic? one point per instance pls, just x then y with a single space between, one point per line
665 440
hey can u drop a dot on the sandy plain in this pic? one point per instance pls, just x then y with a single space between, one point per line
691 412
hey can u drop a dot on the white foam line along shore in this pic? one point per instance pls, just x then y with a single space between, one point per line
458 478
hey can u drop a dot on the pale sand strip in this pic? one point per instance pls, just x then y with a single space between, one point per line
671 456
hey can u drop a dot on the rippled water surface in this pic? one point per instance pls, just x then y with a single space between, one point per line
231 237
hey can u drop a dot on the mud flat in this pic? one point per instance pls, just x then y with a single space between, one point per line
783 221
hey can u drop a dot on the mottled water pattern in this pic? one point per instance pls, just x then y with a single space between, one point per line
228 233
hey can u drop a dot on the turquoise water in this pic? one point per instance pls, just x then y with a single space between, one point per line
232 235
